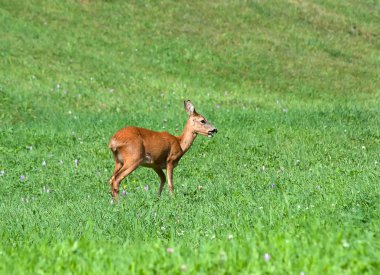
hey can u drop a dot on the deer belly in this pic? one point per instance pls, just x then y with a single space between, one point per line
149 161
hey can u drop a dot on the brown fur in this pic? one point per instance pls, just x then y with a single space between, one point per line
133 147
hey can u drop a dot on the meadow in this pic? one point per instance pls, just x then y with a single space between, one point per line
289 185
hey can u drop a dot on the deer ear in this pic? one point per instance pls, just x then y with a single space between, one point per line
189 107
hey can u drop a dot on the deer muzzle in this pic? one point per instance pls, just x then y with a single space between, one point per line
212 132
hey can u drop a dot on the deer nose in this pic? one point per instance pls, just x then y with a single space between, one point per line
214 131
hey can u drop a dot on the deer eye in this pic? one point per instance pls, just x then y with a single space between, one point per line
203 121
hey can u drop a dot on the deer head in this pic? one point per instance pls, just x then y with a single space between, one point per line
199 123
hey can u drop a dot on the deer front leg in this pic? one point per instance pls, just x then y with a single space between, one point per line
162 178
169 171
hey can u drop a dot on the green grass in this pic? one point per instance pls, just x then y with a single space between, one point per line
292 86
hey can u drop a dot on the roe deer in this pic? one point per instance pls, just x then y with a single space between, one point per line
133 146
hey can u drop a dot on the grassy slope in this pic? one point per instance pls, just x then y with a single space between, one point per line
290 84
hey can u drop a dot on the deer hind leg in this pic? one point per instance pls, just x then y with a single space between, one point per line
118 164
161 174
130 163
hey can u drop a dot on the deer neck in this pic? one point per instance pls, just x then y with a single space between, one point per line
187 137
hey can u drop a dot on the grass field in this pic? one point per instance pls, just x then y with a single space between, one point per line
289 185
